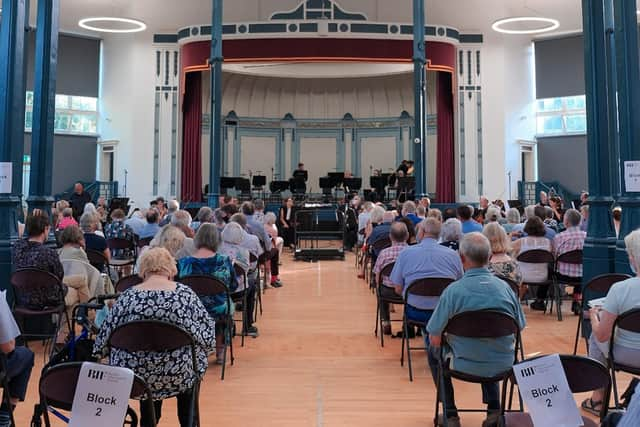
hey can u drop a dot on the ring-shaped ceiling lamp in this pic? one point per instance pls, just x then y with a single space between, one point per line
547 24
122 25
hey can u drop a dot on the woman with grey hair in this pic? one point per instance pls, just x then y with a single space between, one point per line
271 228
93 241
205 215
622 297
451 233
208 262
513 218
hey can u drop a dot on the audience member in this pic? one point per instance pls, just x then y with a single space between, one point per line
72 241
19 361
424 260
271 228
501 263
617 219
182 220
94 242
204 216
168 373
206 261
118 228
435 213
493 214
363 220
152 227
256 227
399 235
477 290
66 220
468 224
409 211
449 213
425 202
172 207
451 233
421 212
513 219
623 296
31 252
555 203
232 237
380 231
136 222
413 237
170 238
570 240
258 210
541 212
534 273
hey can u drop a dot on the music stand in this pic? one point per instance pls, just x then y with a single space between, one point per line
119 203
297 184
337 178
259 181
353 184
278 186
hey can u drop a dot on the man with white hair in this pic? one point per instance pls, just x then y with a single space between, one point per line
477 290
173 207
484 203
409 211
363 220
424 260
382 229
137 221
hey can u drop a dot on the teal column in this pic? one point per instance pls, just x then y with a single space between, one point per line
628 79
12 96
215 136
599 249
420 98
44 106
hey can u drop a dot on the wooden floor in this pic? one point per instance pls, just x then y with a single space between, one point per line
317 362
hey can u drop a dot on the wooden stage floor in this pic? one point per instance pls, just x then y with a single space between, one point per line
317 362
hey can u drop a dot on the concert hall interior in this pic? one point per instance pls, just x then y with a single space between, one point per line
319 212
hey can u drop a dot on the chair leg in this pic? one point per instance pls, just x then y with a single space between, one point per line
575 344
406 333
614 383
437 411
404 337
558 297
377 315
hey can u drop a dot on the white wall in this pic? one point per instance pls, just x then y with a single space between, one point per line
127 111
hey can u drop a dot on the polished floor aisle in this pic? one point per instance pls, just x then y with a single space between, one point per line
317 362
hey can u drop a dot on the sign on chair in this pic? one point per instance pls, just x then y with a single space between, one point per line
102 396
546 393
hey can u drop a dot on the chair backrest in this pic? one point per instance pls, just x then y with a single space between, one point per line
602 283
387 269
144 242
34 287
381 244
536 256
629 321
585 374
239 270
571 257
512 283
58 385
128 282
482 324
96 258
116 244
252 258
429 286
205 285
149 335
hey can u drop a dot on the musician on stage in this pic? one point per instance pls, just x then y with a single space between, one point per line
301 171
298 183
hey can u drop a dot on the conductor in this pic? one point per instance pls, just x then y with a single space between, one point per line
298 183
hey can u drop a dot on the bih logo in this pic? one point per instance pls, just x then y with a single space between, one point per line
96 375
527 372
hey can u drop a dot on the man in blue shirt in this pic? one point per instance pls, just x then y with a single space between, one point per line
468 224
380 231
477 290
424 260
151 227
409 211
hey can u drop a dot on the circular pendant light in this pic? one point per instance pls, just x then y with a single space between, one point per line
110 24
542 25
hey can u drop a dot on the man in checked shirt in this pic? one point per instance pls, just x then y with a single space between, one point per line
570 240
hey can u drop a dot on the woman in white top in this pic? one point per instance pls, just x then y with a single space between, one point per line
622 297
534 273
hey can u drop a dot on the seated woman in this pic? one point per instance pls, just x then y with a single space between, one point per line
89 224
513 218
160 298
206 261
451 233
272 230
232 237
534 273
66 220
170 238
623 296
72 241
117 229
501 263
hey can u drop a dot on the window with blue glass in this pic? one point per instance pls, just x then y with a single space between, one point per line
75 115
561 116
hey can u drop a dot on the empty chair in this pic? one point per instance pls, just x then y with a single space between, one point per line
627 322
385 296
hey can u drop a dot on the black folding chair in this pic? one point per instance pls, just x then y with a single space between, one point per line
427 287
242 298
385 272
207 286
596 288
141 243
512 284
482 325
583 375
627 321
127 282
58 387
375 248
4 383
99 261
572 258
540 256
259 287
123 253
39 296
158 336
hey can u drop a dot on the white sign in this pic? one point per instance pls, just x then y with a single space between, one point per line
546 393
6 172
102 396
632 176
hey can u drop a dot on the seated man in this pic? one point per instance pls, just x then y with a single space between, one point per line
363 219
424 260
399 236
409 211
152 227
570 240
477 290
19 360
380 231
465 214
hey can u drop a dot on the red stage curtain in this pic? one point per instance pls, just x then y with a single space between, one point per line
445 182
192 139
